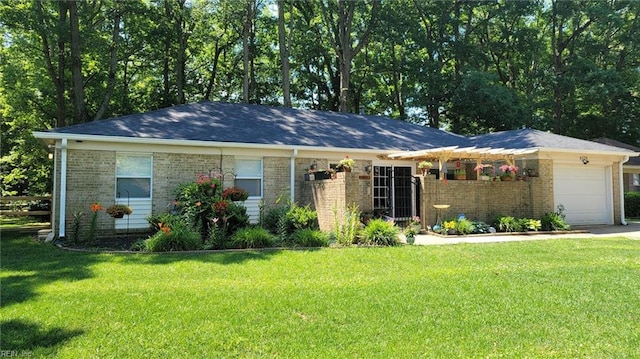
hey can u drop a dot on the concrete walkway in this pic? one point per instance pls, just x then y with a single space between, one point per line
631 231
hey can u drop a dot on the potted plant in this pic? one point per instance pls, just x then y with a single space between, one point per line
410 233
414 222
119 210
508 172
425 166
460 174
482 172
235 194
347 163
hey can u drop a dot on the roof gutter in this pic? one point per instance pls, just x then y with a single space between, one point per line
621 190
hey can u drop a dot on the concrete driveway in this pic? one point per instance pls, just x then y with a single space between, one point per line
631 231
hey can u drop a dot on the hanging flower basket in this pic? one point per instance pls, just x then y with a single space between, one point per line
119 210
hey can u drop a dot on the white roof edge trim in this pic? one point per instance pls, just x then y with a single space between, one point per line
471 150
192 143
590 152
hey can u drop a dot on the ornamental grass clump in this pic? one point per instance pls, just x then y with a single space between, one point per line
555 221
252 237
346 225
172 237
308 237
381 233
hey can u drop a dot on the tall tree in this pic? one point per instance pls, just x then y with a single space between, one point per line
349 26
284 55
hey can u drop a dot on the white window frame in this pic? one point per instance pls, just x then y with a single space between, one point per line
240 176
149 176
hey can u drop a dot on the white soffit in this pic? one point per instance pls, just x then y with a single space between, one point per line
456 151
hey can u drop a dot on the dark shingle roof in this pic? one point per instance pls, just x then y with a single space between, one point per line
633 161
263 125
243 123
529 138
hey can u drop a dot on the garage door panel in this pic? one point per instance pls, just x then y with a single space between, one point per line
582 191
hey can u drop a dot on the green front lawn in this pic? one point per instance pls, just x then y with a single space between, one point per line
557 298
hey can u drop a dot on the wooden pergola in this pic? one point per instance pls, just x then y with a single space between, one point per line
476 154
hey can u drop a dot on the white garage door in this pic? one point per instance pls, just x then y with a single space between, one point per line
584 191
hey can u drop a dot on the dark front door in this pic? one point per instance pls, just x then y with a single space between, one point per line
395 192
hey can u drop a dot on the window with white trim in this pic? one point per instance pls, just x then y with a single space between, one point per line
249 176
133 176
635 179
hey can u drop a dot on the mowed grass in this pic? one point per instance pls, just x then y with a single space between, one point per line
549 299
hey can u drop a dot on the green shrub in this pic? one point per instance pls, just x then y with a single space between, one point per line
380 232
177 237
139 246
528 224
308 237
480 227
464 226
632 204
346 225
236 217
252 237
167 219
508 224
271 217
555 221
301 217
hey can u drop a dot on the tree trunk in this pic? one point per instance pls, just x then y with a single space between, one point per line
80 110
284 56
113 64
56 74
246 49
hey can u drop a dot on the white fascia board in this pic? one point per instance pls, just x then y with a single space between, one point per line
53 136
620 154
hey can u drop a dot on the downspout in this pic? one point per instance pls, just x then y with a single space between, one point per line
621 187
292 175
54 197
63 189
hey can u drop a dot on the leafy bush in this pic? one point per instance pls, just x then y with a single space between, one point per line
139 246
308 237
508 224
252 237
236 217
632 204
346 231
163 219
301 217
464 226
177 237
555 221
528 224
480 227
271 217
552 221
380 232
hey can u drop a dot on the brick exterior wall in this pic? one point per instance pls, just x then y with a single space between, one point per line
331 197
615 174
484 200
276 172
90 178
172 169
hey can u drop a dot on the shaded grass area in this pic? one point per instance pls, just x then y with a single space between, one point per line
558 298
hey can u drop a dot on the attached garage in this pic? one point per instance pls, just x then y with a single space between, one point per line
585 193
